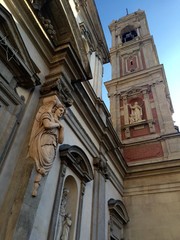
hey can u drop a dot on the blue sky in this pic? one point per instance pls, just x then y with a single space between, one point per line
163 18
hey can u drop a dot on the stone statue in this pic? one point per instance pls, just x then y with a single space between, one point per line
136 113
47 132
62 213
66 227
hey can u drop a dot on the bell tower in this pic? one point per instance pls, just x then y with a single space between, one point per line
140 102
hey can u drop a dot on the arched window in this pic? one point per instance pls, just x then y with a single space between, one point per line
118 218
128 34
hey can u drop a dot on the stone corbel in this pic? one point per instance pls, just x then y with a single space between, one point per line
58 87
101 166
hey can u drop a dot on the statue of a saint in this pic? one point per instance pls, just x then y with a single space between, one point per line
64 202
136 113
47 132
66 227
63 212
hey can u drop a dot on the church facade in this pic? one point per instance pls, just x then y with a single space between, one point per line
69 169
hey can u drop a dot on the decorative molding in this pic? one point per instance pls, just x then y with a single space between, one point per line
118 218
77 161
14 52
118 210
135 90
151 123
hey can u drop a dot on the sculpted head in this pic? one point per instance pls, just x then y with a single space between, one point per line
52 104
59 110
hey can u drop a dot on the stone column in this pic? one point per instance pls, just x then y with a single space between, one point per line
98 208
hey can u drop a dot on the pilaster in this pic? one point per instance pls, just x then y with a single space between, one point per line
98 212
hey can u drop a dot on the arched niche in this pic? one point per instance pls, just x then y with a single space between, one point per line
69 208
118 218
74 158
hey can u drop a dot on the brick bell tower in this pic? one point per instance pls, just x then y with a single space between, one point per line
140 102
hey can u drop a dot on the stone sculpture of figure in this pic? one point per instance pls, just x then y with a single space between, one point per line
66 227
64 202
47 132
136 113
62 212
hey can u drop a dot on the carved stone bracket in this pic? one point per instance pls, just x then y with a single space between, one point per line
101 166
57 87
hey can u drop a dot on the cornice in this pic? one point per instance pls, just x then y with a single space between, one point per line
48 48
132 77
150 168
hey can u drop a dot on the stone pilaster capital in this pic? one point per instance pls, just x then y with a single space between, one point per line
57 87
101 166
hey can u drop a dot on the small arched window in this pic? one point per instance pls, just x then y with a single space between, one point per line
118 218
128 34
